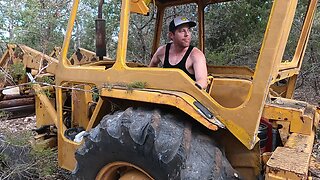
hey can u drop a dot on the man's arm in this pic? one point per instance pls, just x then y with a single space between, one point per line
200 67
156 58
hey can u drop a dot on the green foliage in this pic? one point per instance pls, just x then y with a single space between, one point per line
239 24
46 79
95 94
37 24
19 158
296 28
17 71
46 160
141 31
18 139
234 31
128 86
47 93
136 85
219 57
84 30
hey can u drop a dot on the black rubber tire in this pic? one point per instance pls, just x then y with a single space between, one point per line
158 142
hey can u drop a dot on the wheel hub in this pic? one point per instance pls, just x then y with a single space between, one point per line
122 171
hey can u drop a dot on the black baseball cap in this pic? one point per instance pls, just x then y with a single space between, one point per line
179 21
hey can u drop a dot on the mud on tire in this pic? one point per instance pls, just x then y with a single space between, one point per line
162 144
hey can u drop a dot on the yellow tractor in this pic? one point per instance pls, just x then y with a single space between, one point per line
118 119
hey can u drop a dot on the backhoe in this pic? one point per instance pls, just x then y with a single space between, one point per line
117 118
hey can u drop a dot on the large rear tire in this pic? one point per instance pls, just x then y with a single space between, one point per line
157 143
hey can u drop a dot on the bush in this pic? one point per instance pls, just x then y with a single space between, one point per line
18 160
17 71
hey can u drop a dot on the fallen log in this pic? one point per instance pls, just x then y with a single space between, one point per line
17 96
19 111
16 102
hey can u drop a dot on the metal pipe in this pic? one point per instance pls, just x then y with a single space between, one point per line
100 33
100 9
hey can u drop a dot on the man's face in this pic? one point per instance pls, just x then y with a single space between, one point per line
182 36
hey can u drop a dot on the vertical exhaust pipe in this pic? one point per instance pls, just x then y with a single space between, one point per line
100 33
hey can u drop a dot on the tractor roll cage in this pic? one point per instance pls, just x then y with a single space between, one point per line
243 120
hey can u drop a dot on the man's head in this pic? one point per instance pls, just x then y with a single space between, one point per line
178 21
179 31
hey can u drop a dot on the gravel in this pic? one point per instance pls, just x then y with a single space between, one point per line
20 124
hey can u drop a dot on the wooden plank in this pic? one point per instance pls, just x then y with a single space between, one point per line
292 160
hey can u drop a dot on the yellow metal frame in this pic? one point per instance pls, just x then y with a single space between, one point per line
31 58
303 40
252 88
242 121
290 69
